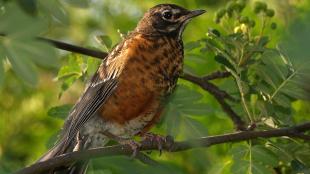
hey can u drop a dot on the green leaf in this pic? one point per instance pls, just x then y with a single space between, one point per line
248 167
105 41
78 3
239 151
55 10
40 53
73 68
92 66
1 71
193 128
265 156
20 46
297 166
192 45
183 94
172 121
52 140
60 111
22 67
195 109
17 24
222 60
263 41
196 58
240 167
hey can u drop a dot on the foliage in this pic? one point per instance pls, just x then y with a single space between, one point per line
268 66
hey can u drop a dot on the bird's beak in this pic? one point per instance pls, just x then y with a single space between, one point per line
195 13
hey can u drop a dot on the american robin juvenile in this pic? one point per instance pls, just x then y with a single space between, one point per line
126 95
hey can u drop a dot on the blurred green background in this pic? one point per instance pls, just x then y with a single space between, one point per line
25 127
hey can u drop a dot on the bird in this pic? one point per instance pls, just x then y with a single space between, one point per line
126 95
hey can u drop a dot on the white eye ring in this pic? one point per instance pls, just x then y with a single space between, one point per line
167 15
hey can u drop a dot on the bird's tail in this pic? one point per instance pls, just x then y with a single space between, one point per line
62 148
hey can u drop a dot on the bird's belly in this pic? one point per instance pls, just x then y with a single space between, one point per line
130 108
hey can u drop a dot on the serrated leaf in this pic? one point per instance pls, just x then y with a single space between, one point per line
60 111
105 41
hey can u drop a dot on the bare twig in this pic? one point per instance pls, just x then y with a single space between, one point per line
76 49
217 75
175 147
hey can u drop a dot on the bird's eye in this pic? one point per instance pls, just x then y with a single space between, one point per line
167 15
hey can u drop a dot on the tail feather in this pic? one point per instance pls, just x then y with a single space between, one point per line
58 149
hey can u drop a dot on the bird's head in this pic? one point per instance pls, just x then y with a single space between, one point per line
167 19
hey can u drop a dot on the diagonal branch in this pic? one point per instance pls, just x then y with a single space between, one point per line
68 158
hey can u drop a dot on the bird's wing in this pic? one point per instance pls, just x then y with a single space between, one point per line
95 96
100 87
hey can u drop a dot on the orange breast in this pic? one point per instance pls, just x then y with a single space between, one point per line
142 84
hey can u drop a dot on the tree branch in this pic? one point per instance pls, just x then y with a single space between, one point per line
76 49
172 147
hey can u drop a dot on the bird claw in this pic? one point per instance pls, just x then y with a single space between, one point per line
158 139
133 145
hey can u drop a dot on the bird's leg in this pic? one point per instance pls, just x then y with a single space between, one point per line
158 139
125 141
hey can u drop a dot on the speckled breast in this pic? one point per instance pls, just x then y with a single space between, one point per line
150 71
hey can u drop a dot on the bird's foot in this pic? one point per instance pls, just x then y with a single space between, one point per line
125 141
135 146
150 138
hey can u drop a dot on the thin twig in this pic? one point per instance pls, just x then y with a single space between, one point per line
217 75
117 150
